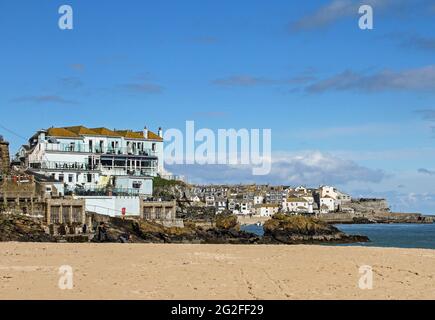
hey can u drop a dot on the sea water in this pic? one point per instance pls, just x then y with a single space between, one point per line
383 235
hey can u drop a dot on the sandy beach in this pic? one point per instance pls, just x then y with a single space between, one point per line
151 271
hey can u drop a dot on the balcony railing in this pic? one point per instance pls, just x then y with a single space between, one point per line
94 191
84 148
75 166
67 166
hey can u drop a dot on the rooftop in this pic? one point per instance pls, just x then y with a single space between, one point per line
79 131
296 200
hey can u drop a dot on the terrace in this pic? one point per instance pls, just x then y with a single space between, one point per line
85 148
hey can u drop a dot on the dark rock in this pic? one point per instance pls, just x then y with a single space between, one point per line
14 227
288 229
227 222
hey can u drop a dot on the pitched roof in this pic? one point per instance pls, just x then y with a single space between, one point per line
105 132
328 197
81 130
153 136
296 200
129 134
61 132
77 131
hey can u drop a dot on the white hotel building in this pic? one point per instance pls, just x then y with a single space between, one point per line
91 159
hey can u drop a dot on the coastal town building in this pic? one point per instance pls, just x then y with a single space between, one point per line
301 189
220 204
324 209
297 205
97 171
195 199
92 159
259 199
329 203
266 209
210 201
275 196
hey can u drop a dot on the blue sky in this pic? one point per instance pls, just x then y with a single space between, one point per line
346 107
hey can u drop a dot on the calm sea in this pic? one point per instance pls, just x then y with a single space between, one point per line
384 235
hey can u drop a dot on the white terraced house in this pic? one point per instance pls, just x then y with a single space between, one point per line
89 159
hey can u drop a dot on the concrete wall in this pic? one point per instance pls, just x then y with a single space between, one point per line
126 182
112 206
65 211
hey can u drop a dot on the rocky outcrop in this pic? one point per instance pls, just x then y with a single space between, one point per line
369 218
168 189
142 231
368 206
287 229
281 229
227 222
15 227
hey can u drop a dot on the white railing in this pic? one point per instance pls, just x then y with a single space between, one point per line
84 148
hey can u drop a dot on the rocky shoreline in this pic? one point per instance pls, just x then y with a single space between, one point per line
280 229
377 218
286 229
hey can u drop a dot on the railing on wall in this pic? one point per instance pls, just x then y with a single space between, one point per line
67 166
95 191
84 148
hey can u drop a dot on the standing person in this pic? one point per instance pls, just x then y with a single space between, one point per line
85 228
104 232
101 233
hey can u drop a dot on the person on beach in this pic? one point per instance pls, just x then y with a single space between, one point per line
125 238
102 232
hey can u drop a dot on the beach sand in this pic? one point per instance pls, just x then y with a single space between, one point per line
169 271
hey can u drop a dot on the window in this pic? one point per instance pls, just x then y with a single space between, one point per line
137 184
70 178
154 147
89 177
61 178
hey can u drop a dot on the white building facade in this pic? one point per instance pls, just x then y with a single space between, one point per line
90 159
297 205
266 210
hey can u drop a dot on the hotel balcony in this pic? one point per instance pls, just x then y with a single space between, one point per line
122 171
84 148
63 166
95 191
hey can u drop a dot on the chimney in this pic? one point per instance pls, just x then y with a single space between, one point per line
4 156
160 132
145 132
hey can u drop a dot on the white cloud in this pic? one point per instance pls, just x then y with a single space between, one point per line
309 168
417 79
339 9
